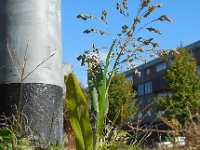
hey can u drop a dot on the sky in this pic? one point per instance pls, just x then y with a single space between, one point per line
185 26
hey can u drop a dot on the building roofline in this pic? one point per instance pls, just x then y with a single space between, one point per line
193 45
159 60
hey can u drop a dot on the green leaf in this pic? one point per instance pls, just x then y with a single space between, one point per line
103 96
93 88
78 113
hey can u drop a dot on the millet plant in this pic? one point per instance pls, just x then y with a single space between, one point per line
127 47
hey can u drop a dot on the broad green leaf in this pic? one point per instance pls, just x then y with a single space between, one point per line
78 113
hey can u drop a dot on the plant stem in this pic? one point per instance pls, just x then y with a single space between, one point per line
102 102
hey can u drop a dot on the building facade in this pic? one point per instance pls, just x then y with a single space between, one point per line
149 84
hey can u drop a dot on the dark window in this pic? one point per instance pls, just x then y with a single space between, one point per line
148 87
148 71
161 67
199 70
140 89
130 78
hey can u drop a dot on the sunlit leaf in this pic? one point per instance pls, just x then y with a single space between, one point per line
152 48
102 33
155 44
163 53
120 9
79 57
139 38
84 16
137 72
154 30
152 55
145 3
91 31
125 4
151 9
147 42
139 49
94 30
82 58
134 44
87 52
104 13
131 60
87 31
129 34
104 16
174 51
118 6
136 20
124 28
165 18
157 31
119 34
129 50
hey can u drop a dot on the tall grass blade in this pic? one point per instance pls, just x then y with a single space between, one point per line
103 96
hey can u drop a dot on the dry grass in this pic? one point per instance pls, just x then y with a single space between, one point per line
192 133
69 136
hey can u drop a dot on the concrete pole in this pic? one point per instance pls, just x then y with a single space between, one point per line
31 57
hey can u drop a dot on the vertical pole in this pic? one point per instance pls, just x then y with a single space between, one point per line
31 57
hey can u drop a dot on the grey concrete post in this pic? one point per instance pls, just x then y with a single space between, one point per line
31 57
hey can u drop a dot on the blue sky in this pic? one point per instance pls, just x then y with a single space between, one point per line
184 28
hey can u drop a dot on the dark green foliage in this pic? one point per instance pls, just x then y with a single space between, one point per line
183 84
121 97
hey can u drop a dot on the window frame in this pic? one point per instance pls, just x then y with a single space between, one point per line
140 89
148 71
129 78
160 67
148 87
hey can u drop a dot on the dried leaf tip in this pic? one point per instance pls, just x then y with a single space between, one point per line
154 30
164 17
84 16
125 4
